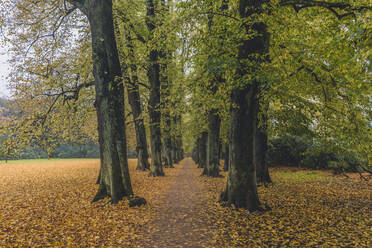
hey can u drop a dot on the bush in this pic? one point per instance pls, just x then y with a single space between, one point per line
317 159
302 151
287 150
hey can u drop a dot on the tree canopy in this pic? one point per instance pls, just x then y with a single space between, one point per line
242 72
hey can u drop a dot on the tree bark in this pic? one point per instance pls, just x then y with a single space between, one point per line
195 151
153 74
203 150
261 147
212 164
141 148
241 188
165 84
177 143
165 57
226 159
114 179
134 100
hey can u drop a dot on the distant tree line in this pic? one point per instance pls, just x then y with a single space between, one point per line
88 150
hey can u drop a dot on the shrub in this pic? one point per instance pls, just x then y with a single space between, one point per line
287 150
302 151
317 159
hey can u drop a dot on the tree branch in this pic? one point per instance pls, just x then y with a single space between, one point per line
331 6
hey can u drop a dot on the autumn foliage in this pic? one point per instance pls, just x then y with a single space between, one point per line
47 204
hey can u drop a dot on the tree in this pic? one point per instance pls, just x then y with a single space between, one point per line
153 74
114 178
127 52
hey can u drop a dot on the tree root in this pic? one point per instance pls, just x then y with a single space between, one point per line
101 193
156 174
135 201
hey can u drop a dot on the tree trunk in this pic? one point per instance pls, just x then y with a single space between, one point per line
165 57
174 140
135 103
165 84
141 148
177 139
153 74
241 188
261 149
114 179
203 150
195 151
226 159
168 163
211 169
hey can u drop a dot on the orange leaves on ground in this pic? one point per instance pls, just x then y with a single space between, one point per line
47 204
309 209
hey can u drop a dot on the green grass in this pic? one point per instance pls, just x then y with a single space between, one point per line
22 161
301 176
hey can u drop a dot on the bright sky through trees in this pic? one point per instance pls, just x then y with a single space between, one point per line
4 70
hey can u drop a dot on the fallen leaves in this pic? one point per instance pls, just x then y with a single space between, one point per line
47 204
309 209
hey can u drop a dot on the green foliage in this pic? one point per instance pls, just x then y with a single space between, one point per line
317 159
306 152
287 150
316 74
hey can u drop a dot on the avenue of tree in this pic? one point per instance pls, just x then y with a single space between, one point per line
215 79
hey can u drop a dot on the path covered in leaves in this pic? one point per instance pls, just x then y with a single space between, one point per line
180 219
47 204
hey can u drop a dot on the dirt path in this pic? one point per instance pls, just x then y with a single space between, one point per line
179 220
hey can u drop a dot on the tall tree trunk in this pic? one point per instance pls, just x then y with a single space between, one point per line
214 122
181 154
203 150
241 188
211 169
114 180
134 100
141 148
177 139
174 140
195 151
261 148
153 74
168 163
226 159
165 57
165 84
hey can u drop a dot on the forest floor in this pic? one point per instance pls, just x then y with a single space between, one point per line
48 205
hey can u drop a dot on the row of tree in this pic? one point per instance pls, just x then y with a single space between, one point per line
203 74
266 69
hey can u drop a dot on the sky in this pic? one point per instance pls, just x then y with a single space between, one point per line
4 70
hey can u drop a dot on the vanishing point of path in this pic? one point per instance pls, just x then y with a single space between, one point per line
180 220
